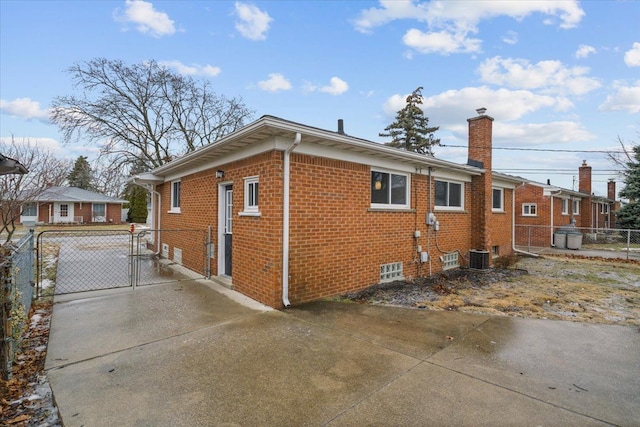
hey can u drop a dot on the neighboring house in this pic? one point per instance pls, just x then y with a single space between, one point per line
66 205
541 209
11 166
300 213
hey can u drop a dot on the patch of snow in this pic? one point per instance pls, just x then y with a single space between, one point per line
46 283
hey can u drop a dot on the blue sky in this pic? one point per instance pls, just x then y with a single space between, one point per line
555 75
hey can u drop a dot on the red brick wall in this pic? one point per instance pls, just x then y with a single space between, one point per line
337 242
500 225
257 241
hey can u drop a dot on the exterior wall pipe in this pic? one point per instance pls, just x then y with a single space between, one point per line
285 220
513 228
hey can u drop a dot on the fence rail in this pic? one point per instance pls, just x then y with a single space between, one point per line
623 241
16 277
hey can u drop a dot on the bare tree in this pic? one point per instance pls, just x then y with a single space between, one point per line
108 180
622 159
144 112
44 170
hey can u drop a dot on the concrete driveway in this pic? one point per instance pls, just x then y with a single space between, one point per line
192 354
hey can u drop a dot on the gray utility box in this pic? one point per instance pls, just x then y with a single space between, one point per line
574 240
478 260
560 240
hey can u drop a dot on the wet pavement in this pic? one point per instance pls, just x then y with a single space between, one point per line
194 354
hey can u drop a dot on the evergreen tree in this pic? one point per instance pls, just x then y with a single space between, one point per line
411 129
137 197
81 176
629 215
137 205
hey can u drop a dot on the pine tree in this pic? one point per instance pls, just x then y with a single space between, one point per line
629 215
137 205
81 174
411 129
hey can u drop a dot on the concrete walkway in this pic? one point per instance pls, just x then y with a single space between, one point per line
190 354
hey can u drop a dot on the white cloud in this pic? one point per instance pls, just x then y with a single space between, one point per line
632 56
442 42
253 23
336 86
275 83
192 70
547 76
453 107
146 18
449 23
24 108
510 38
390 11
625 98
584 51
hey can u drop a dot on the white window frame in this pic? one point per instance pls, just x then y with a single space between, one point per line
390 205
251 205
64 210
29 206
501 207
448 207
565 206
576 207
175 204
604 208
529 205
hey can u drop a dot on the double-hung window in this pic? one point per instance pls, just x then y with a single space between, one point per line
449 195
604 208
576 207
389 190
565 206
175 195
498 200
251 196
529 209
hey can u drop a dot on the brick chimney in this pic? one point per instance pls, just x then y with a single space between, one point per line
480 149
584 178
611 189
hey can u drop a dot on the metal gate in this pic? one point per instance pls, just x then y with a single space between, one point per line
72 261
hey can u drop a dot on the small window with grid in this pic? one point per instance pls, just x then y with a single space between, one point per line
450 261
390 272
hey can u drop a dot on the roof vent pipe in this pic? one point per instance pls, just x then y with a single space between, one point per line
548 181
341 126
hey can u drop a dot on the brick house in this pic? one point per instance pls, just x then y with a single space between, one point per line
543 208
300 213
66 205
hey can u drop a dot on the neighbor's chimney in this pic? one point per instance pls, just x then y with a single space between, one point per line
584 178
341 126
611 189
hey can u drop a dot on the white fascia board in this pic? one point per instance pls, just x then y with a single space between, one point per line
450 175
245 152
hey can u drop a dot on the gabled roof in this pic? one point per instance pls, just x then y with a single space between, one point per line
269 127
11 166
74 194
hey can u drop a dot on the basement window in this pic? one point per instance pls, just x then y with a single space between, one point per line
450 261
391 272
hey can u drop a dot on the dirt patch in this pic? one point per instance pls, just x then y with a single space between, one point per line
568 288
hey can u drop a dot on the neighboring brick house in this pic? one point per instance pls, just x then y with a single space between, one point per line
66 205
541 209
301 213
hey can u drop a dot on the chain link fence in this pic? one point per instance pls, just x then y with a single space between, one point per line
94 260
16 277
624 243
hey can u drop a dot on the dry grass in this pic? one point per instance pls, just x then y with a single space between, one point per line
585 290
